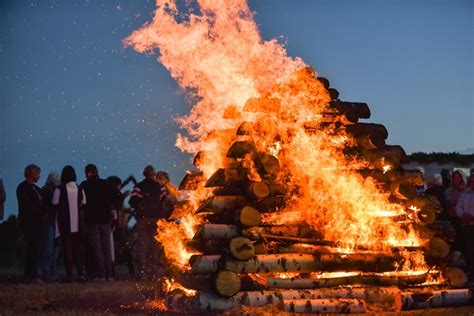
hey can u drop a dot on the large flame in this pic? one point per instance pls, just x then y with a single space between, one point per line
214 50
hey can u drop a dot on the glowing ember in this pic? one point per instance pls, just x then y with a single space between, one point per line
170 285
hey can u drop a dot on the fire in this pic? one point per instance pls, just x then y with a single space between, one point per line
170 285
214 50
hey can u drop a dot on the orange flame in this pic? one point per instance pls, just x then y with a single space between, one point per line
215 51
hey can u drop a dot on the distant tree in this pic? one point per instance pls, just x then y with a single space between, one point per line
442 158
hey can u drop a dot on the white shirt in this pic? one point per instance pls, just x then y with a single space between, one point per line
72 192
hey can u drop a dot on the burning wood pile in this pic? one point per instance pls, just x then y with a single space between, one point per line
296 204
256 250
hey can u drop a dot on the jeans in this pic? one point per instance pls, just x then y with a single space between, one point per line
49 251
72 253
98 236
147 250
32 235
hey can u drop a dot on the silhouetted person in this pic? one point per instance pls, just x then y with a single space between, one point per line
30 213
98 219
145 199
446 177
435 187
50 245
3 198
120 224
465 210
69 199
452 194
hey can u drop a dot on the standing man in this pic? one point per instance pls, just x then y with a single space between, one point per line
30 215
97 220
145 199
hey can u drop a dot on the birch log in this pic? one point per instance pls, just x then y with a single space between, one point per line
258 264
358 279
387 296
440 298
324 306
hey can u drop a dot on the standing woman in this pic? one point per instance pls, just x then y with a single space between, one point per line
465 210
69 199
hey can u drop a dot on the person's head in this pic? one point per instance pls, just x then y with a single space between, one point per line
149 172
445 173
434 180
53 179
91 171
162 177
32 173
115 181
458 179
68 175
471 181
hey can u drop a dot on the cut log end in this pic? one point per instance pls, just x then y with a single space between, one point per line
455 276
259 190
227 283
249 217
241 248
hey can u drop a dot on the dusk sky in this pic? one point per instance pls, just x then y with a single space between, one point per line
71 94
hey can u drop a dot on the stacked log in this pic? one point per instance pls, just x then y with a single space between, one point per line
246 262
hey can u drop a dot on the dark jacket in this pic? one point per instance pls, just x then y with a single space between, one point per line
63 212
146 200
47 192
99 201
30 203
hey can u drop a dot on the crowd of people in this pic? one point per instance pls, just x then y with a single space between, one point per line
88 221
455 192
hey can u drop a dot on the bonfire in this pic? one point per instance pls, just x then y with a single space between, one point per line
294 202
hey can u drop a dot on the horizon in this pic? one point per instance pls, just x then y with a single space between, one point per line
74 95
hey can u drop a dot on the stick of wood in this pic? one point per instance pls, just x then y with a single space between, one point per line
260 263
324 306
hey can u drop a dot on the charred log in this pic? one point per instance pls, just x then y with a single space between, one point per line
191 181
240 149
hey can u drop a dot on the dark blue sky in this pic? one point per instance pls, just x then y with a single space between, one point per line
71 94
